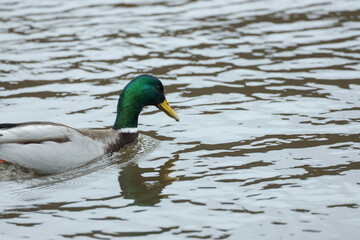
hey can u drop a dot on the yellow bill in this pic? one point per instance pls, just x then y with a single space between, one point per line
165 107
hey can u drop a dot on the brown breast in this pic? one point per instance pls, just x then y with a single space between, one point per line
123 140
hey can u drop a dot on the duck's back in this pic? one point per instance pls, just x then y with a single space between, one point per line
50 147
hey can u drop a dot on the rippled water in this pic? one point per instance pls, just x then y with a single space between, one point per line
268 94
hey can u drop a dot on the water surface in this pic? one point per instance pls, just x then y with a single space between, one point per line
267 92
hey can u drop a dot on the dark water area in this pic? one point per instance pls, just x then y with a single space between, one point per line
268 95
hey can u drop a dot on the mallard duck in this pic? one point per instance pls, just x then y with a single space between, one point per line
48 147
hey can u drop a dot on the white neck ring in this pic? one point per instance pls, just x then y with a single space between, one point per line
128 130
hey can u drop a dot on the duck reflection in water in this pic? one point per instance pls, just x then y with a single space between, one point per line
146 190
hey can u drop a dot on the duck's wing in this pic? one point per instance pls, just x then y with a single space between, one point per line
47 147
34 132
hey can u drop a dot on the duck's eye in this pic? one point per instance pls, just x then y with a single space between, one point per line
160 88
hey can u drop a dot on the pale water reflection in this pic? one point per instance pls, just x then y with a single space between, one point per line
267 91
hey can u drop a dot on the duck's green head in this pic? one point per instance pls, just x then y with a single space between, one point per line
142 91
